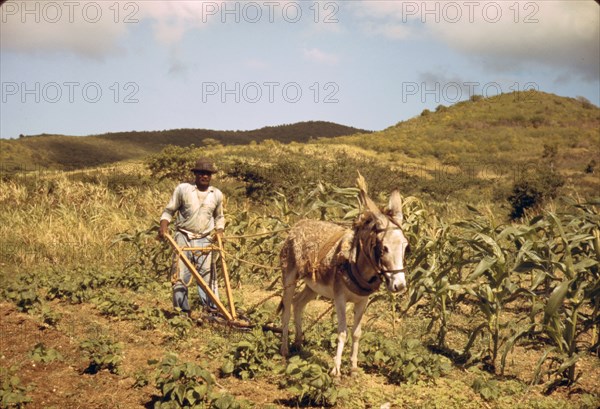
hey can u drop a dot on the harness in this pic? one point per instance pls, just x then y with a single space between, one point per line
353 279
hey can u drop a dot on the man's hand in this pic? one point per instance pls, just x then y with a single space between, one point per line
163 229
219 234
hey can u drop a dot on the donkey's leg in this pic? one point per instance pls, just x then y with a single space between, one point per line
359 310
300 301
340 309
289 287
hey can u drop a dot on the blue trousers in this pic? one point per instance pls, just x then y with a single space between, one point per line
182 277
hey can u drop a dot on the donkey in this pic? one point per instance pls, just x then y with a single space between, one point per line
345 265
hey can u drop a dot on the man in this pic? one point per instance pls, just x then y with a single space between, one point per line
199 208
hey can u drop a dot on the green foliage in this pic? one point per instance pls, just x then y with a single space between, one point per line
310 383
478 263
188 385
41 353
103 353
50 316
23 294
12 393
533 190
487 388
115 304
181 325
401 361
253 355
148 259
77 285
151 318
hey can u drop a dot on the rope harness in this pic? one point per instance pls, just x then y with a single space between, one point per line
354 280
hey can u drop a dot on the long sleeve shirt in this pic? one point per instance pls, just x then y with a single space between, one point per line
197 212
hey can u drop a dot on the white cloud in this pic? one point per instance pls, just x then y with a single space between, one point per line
94 29
87 29
501 35
316 55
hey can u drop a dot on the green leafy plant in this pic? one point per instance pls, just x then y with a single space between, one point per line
114 304
50 316
24 296
103 353
151 318
252 356
41 353
487 388
310 383
181 325
188 385
12 393
404 361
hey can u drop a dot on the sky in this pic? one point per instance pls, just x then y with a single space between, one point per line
92 67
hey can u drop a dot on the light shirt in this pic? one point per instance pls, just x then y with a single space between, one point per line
197 212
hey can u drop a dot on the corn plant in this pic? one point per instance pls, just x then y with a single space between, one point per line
576 257
436 264
494 283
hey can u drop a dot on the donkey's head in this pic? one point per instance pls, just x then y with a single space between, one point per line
386 245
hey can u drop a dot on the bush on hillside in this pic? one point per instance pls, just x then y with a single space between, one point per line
533 190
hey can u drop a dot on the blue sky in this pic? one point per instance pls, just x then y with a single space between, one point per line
90 67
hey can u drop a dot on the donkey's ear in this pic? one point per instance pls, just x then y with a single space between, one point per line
363 196
395 207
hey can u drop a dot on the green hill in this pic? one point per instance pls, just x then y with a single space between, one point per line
74 152
499 130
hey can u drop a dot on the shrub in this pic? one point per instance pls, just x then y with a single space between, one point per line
533 190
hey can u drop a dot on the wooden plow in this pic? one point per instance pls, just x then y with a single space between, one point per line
230 314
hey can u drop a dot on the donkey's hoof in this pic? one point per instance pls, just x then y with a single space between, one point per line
336 372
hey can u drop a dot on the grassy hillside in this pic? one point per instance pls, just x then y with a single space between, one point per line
71 152
503 128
